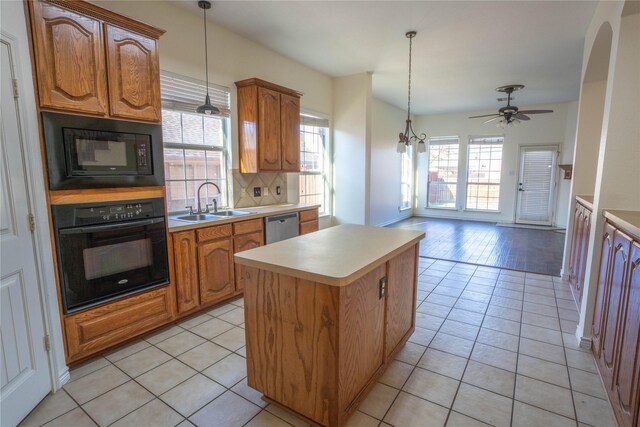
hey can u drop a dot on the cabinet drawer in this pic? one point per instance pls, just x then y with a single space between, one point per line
211 233
250 226
98 328
308 227
310 215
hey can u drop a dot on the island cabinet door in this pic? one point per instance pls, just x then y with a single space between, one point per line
401 294
215 268
361 335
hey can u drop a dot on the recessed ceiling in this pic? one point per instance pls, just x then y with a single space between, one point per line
462 52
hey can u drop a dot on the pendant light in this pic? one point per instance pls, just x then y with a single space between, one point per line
206 108
409 136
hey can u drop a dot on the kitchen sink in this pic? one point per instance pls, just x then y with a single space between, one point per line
230 213
196 217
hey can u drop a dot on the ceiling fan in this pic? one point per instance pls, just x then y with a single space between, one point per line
510 115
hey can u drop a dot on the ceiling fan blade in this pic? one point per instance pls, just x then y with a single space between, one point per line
485 115
492 119
535 111
521 116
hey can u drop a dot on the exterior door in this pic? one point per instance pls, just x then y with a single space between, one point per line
24 370
536 187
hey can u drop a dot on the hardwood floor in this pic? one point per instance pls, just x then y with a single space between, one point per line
484 243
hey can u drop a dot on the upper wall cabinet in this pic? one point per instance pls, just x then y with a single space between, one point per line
69 52
89 60
268 127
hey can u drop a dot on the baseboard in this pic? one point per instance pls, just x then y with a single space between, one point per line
63 378
584 342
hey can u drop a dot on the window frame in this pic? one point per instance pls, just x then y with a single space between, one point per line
483 140
410 154
182 102
326 161
443 140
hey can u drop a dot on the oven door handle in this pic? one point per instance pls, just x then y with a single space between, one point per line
120 225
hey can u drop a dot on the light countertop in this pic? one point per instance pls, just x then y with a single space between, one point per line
255 212
586 201
335 256
628 220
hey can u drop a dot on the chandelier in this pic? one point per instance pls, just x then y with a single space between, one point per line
206 108
408 136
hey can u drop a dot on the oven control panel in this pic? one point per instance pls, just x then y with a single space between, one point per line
113 212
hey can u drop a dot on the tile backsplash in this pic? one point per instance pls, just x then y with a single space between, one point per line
244 183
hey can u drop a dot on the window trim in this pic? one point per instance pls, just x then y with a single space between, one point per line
443 140
327 162
483 140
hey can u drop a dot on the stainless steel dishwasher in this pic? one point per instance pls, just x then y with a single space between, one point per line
281 227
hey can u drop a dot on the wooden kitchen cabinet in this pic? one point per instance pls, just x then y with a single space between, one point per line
186 270
308 221
401 297
616 323
134 74
579 246
205 273
268 127
69 59
89 60
215 270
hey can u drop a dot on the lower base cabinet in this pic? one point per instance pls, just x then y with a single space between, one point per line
616 324
97 329
205 273
308 221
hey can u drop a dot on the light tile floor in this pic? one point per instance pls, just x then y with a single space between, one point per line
491 347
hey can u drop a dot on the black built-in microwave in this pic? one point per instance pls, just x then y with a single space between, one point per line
88 152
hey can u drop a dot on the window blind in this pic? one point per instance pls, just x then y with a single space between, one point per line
185 94
441 140
306 120
486 139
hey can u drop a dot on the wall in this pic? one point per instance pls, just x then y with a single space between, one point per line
351 148
557 128
386 122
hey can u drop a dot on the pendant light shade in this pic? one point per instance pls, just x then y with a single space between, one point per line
408 136
206 108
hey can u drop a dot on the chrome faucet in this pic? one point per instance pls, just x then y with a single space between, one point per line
215 203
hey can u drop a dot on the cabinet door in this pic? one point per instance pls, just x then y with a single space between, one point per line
215 270
186 268
70 62
584 248
134 75
290 132
308 227
401 298
269 156
602 292
244 243
627 378
611 329
575 246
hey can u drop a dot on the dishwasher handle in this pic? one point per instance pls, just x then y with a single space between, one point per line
282 218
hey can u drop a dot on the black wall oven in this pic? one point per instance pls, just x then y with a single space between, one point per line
88 152
109 250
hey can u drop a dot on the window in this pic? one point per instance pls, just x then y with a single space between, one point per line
442 182
195 145
406 179
483 174
314 161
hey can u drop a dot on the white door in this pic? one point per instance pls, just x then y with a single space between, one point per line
24 366
536 187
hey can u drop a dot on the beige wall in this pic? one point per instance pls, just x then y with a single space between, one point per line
231 56
386 122
557 128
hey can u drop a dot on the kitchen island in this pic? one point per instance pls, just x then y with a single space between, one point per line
325 313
